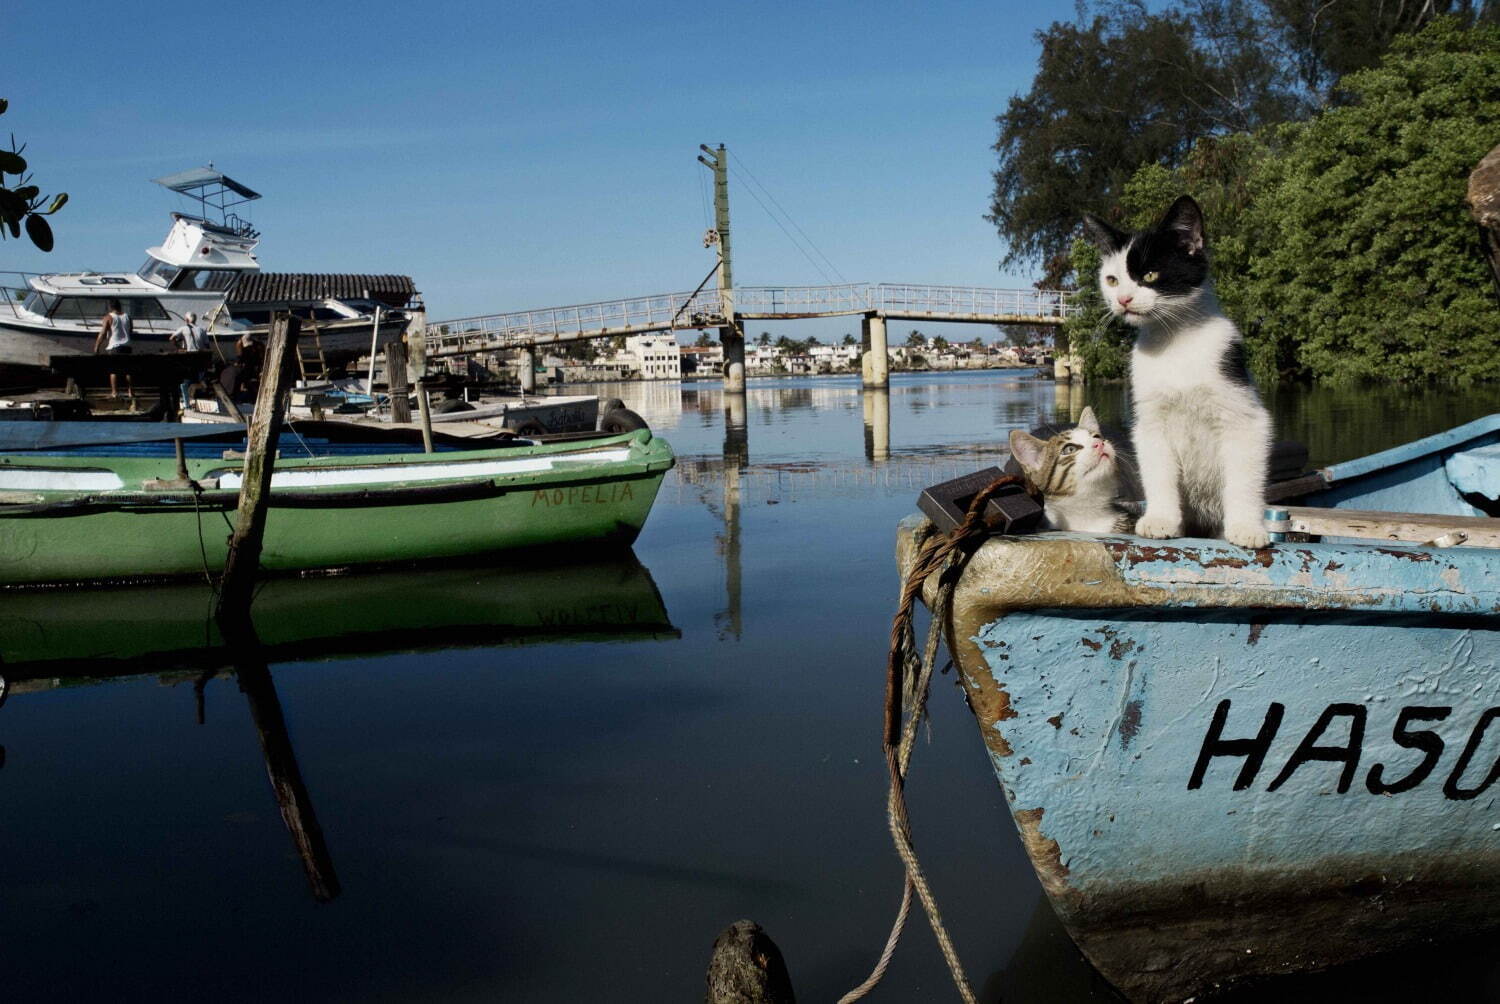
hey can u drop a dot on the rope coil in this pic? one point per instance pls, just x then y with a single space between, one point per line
907 684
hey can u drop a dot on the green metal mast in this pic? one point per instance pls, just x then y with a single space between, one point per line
718 161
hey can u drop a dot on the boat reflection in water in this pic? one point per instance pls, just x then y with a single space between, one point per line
67 638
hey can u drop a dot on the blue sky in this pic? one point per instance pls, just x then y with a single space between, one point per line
512 156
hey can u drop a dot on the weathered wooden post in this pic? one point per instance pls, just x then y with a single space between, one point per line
747 968
395 380
425 407
281 760
260 459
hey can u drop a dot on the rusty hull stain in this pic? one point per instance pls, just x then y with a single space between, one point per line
1130 723
1091 643
1137 554
1055 721
1256 627
1405 555
1045 854
991 706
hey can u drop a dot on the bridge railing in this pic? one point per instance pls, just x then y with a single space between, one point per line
643 313
970 301
849 298
703 309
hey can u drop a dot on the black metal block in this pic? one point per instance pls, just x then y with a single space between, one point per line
1011 510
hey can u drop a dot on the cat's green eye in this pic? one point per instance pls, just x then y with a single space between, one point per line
1151 277
1071 448
1110 280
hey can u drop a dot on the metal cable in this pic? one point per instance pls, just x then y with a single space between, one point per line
789 236
789 218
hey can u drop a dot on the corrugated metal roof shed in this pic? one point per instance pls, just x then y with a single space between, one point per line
280 287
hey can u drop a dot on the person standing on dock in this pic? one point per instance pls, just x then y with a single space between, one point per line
251 356
114 339
191 337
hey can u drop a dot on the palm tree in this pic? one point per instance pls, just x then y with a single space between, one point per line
915 340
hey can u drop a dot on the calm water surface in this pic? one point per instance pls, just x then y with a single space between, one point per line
559 782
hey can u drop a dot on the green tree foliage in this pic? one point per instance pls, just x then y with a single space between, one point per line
849 340
1099 340
915 339
1330 40
1364 256
939 343
1342 245
1125 89
703 340
21 202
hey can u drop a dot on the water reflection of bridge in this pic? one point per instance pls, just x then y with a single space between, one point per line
727 481
793 481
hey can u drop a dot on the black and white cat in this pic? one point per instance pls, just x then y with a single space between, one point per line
1202 436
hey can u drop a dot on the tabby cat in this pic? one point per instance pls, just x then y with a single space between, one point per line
1202 436
1077 472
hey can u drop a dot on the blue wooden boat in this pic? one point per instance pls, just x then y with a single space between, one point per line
1229 764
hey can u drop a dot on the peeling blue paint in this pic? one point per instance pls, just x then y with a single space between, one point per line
1395 577
1114 780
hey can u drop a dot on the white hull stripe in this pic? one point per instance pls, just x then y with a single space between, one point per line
59 481
342 476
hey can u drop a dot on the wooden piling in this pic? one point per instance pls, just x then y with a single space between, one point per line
425 407
747 968
395 380
243 562
291 794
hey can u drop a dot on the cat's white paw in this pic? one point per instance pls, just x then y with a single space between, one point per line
1158 527
1247 534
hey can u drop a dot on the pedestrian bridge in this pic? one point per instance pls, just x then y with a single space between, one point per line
711 308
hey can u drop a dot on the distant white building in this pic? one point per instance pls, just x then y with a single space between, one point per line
760 358
832 358
703 360
657 357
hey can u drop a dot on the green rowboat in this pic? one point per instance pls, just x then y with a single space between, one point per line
87 502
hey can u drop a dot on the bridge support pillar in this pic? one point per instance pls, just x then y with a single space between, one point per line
732 338
875 364
526 369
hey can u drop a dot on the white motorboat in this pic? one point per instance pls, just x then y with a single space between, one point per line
193 270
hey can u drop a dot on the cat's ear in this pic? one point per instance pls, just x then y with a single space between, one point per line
1185 222
1087 422
1103 236
1027 449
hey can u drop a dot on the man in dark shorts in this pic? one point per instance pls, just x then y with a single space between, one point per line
114 339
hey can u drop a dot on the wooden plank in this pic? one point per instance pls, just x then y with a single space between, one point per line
1295 487
237 587
1478 531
